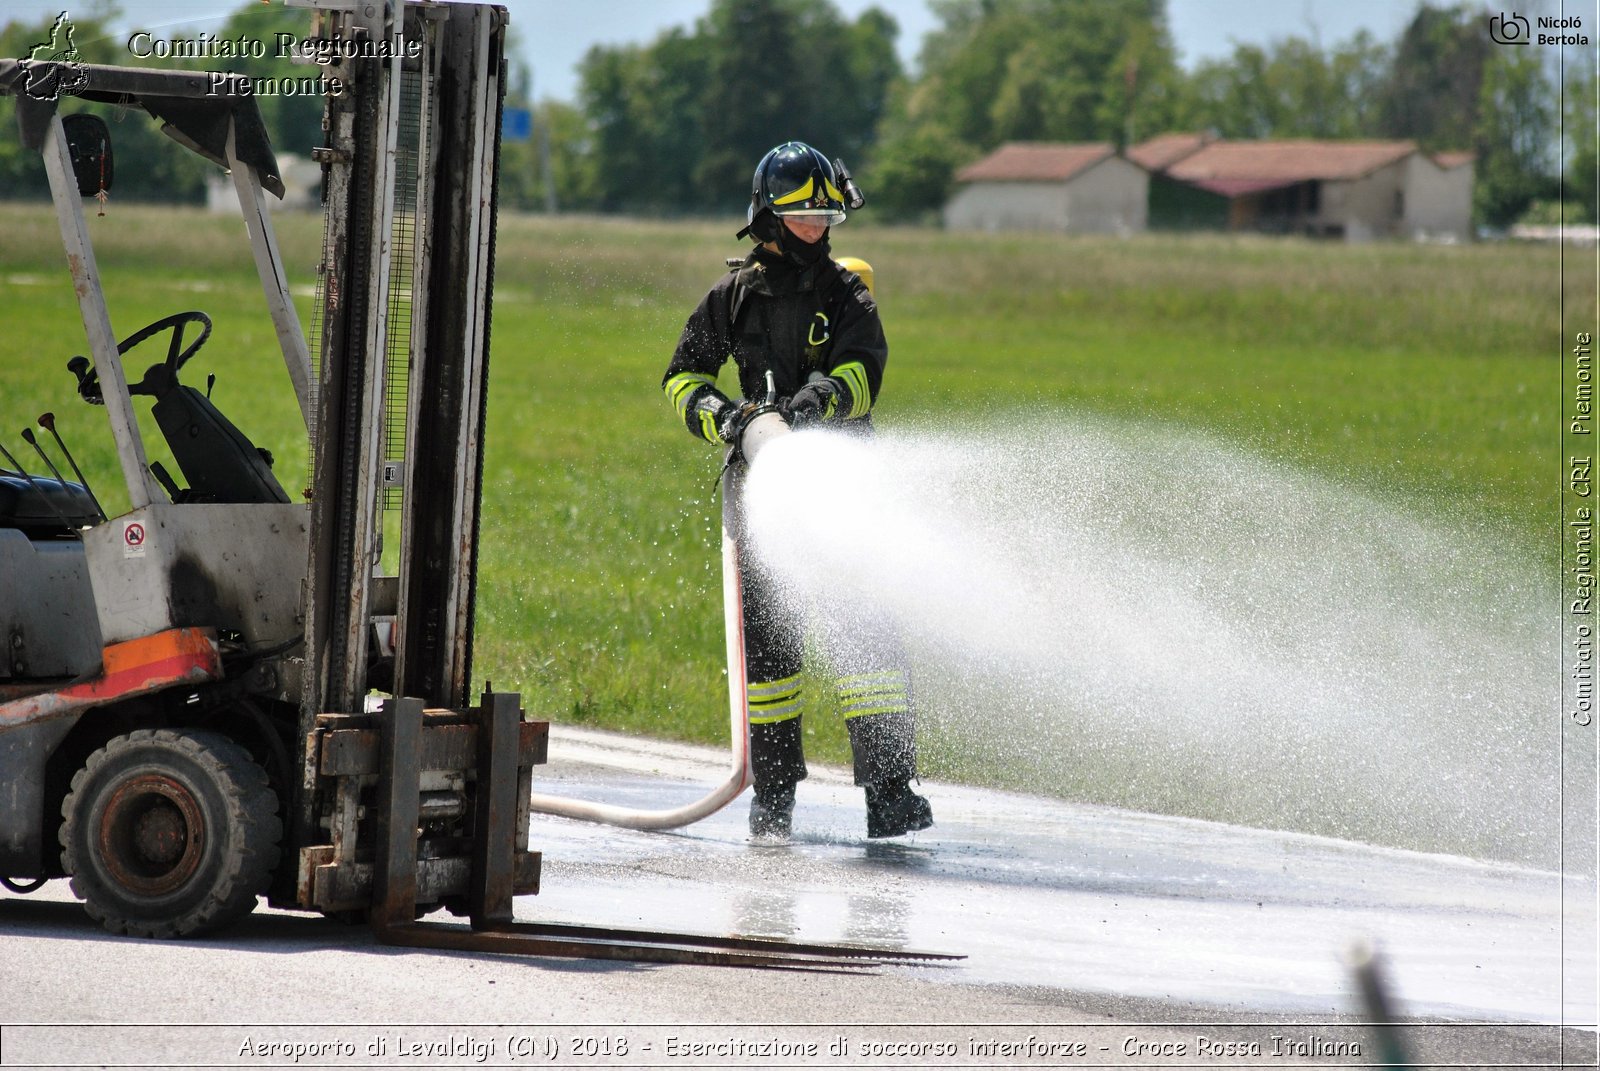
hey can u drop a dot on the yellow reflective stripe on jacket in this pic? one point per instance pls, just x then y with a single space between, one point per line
708 427
854 376
772 701
682 385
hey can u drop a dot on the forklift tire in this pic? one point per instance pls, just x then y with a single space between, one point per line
170 833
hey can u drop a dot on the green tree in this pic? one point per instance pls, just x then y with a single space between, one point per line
757 85
1146 93
677 78
571 164
149 166
607 80
677 126
1513 137
868 68
1582 125
912 170
1291 88
294 123
1432 92
1026 70
1065 70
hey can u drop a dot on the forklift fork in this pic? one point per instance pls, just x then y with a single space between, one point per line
496 831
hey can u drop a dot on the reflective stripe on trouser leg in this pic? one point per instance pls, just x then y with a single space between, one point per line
878 712
773 701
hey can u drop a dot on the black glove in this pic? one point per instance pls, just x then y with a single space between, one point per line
812 403
731 422
711 416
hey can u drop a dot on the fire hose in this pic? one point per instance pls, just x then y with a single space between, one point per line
759 424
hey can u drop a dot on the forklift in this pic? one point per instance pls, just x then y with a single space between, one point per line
223 694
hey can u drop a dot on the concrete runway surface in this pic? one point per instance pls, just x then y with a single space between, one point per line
1094 937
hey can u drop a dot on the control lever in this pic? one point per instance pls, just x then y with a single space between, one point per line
47 421
88 381
33 440
159 471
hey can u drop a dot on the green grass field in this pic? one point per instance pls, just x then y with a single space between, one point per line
1431 373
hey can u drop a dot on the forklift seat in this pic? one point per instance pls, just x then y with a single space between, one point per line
42 507
219 461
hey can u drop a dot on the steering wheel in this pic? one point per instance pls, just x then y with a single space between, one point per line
159 378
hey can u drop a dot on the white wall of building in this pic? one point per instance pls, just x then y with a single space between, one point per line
1110 197
302 187
1368 207
1008 206
1438 201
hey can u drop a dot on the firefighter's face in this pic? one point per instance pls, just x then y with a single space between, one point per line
804 228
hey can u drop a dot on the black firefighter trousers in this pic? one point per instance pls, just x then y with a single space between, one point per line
872 684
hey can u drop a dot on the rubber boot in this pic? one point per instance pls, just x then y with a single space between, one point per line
771 811
893 809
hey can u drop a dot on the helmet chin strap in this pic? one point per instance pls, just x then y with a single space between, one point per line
763 228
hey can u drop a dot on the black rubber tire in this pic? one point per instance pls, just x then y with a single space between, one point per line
170 833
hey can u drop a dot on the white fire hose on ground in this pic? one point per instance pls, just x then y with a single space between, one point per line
762 428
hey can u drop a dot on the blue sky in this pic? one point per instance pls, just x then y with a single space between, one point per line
555 35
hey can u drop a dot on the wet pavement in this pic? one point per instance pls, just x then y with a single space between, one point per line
1118 939
1041 893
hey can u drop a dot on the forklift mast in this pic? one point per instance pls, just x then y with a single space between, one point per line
400 343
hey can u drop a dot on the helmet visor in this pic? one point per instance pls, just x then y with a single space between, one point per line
829 216
816 198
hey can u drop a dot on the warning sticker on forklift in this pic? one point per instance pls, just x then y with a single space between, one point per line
132 540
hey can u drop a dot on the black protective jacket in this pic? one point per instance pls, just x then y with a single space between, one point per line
767 314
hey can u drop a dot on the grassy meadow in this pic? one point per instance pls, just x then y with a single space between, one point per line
1429 372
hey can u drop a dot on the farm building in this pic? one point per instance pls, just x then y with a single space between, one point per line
1355 190
302 187
1077 189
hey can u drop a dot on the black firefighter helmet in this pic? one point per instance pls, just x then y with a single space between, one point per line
796 180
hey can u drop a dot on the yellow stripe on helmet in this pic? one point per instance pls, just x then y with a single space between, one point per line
801 194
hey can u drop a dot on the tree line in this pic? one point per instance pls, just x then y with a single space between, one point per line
1044 70
674 127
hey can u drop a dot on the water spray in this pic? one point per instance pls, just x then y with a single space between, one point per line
1160 620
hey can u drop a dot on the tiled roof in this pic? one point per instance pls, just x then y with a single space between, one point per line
1035 161
1447 160
1164 150
1287 161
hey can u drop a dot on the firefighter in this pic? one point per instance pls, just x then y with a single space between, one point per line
791 310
